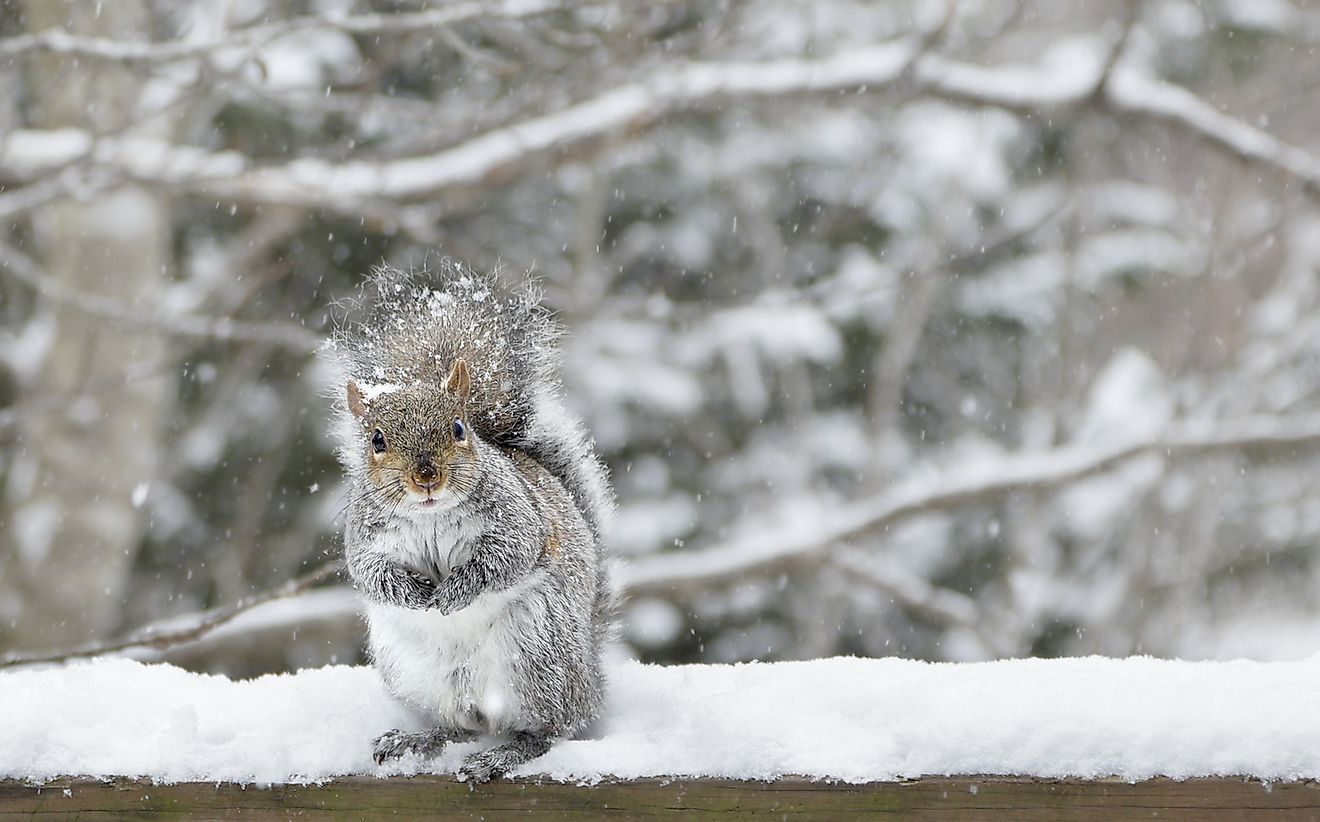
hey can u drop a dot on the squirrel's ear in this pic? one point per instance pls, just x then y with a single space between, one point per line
357 403
459 383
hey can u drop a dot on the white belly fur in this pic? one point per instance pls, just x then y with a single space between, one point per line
454 668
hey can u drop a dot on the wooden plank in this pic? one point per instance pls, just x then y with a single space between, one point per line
965 798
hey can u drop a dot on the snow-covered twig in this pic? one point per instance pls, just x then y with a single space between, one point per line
22 268
178 631
909 590
919 596
780 549
57 41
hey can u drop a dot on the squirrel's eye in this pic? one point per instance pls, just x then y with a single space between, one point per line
460 430
378 441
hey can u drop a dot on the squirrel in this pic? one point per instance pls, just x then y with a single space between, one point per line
473 528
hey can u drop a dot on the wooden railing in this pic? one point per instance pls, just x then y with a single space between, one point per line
437 797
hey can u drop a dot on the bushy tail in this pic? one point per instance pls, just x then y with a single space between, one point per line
408 327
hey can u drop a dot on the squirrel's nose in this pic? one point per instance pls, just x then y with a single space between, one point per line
426 471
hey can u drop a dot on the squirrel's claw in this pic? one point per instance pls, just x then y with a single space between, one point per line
389 745
440 604
482 766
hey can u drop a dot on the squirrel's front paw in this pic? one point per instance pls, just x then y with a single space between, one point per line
416 591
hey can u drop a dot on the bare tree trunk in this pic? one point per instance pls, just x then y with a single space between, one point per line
74 526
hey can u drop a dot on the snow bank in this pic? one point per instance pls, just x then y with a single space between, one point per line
848 719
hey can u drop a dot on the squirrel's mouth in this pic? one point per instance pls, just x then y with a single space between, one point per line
426 492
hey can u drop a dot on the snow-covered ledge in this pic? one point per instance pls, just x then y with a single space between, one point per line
846 720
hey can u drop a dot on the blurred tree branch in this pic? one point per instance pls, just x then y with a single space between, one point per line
782 549
224 329
178 630
499 155
910 590
496 155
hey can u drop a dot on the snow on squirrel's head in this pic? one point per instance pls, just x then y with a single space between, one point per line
405 344
416 443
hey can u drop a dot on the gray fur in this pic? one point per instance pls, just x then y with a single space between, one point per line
488 604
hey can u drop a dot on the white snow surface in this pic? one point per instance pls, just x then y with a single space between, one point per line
846 719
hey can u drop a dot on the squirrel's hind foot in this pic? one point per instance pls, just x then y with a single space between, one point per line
395 743
484 766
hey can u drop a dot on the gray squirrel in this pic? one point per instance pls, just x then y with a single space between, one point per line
473 529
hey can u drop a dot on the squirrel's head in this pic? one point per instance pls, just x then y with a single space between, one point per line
420 449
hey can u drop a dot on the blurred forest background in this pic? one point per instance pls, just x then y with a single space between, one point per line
952 331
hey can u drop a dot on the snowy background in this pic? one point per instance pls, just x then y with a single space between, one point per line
952 332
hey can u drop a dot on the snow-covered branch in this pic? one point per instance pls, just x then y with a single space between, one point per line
1120 90
502 153
505 152
22 268
60 42
498 154
179 630
781 549
1130 92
